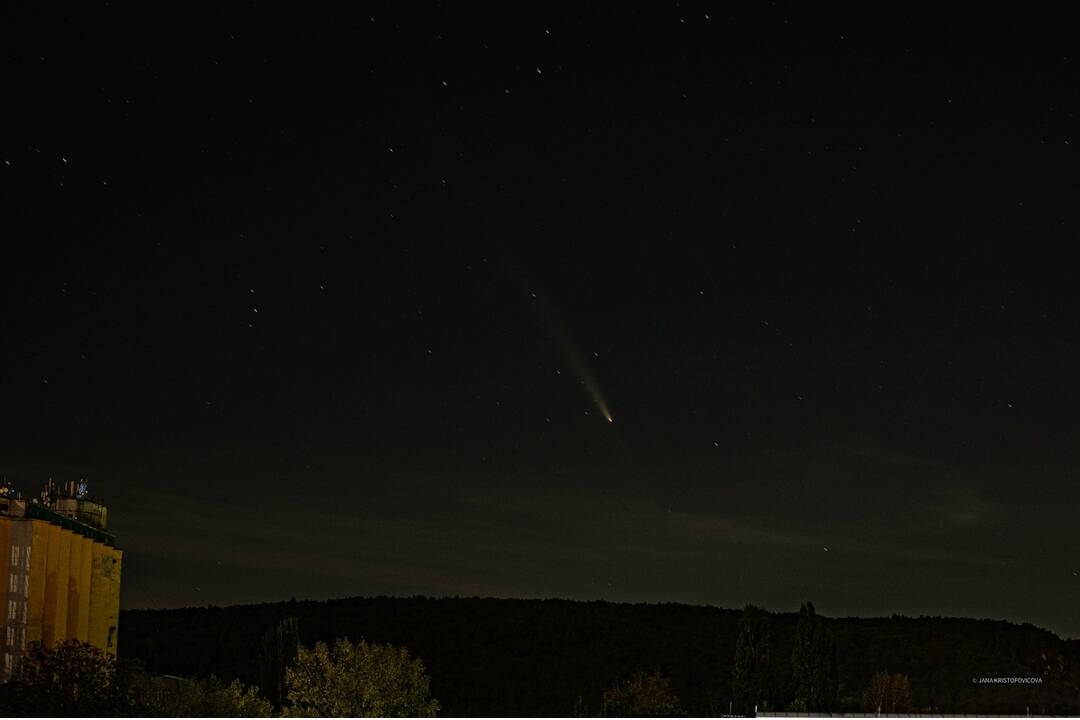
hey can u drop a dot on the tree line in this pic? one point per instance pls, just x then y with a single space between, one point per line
554 657
345 679
362 679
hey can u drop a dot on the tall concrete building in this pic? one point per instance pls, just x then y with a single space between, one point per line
60 570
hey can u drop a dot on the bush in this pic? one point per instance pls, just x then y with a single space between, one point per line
358 680
178 697
641 696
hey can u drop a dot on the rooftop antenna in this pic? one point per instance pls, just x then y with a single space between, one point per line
49 492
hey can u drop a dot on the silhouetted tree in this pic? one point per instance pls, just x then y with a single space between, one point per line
888 693
277 652
751 679
70 679
642 695
358 680
813 664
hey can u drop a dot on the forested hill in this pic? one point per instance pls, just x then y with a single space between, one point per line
538 657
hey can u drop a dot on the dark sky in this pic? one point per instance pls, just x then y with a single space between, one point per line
313 300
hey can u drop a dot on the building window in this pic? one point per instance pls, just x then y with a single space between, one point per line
14 556
26 586
27 559
11 636
13 583
11 610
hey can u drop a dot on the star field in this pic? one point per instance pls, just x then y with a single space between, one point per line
329 305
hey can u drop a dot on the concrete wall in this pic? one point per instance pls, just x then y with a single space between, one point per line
112 641
85 574
6 549
57 571
67 587
35 616
16 541
78 599
105 597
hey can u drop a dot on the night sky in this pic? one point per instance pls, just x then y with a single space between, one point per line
336 304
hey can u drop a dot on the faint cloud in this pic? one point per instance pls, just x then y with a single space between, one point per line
959 507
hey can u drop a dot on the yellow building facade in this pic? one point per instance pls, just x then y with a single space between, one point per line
61 580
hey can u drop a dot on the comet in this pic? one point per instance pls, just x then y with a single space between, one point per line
561 337
452 151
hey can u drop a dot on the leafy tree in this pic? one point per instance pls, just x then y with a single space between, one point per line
277 652
641 696
358 680
71 678
888 693
813 664
751 679
178 697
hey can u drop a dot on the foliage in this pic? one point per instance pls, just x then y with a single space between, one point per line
77 679
179 697
813 664
277 651
358 680
888 693
641 696
514 658
751 678
71 678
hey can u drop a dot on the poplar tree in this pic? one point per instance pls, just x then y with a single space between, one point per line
751 679
813 664
277 652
